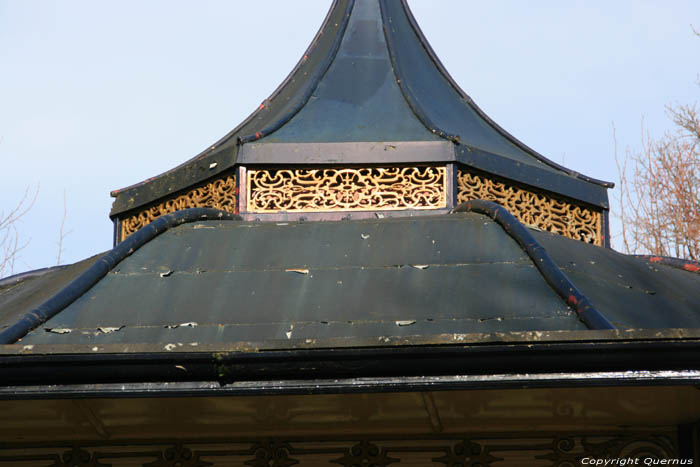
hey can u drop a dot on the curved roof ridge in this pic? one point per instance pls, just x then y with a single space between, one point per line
550 272
688 265
318 75
91 276
353 97
417 110
304 60
468 100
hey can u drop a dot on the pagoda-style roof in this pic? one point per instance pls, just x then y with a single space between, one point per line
367 221
369 90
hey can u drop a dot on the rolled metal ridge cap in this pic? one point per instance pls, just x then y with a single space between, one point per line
262 107
678 263
97 271
318 75
554 276
436 60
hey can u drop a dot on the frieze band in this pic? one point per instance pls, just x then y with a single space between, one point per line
535 209
534 449
376 189
346 189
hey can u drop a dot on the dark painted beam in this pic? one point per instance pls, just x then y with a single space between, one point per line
350 370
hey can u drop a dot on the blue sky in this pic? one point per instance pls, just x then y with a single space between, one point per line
96 96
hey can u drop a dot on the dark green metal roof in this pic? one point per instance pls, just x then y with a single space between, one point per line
233 281
370 77
358 98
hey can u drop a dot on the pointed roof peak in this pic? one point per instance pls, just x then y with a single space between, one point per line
369 76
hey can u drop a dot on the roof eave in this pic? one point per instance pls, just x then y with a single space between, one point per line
537 359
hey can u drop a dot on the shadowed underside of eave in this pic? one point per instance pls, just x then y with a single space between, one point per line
368 76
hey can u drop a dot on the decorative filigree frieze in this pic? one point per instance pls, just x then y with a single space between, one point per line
530 449
219 194
346 189
544 212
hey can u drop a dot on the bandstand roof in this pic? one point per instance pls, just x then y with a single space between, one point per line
200 301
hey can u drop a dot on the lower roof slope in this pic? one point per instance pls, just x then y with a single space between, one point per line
233 281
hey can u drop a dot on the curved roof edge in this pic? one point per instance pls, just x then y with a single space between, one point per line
105 263
469 101
316 51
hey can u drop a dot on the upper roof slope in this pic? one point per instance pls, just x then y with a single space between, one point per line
368 76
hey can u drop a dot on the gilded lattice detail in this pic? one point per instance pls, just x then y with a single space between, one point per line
535 209
219 194
346 189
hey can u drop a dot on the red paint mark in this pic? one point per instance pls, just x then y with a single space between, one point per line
572 300
691 267
654 259
262 106
306 57
259 135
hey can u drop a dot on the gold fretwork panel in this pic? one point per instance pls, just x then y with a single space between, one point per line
346 189
516 449
219 194
544 212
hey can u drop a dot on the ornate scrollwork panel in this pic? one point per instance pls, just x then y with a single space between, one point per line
271 453
365 453
467 453
346 189
530 449
544 212
177 456
219 193
568 451
77 457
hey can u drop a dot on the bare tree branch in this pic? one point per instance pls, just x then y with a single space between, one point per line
62 234
660 204
10 245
